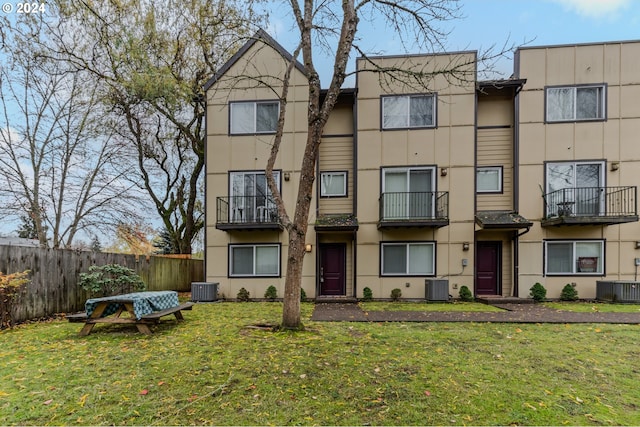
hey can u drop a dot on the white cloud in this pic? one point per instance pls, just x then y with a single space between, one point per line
594 8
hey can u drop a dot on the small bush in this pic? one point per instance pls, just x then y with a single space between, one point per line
569 293
303 295
396 294
367 294
465 294
271 293
111 279
243 295
11 286
538 292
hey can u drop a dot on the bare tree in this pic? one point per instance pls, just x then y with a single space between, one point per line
150 60
332 27
58 165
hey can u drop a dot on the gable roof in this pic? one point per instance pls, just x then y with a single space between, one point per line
263 37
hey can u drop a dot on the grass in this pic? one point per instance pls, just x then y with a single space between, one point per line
213 370
585 307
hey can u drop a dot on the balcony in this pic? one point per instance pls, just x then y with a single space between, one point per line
414 209
591 206
247 213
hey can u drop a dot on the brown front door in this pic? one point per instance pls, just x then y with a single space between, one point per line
488 264
332 268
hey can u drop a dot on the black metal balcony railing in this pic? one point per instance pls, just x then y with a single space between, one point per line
415 207
586 204
246 212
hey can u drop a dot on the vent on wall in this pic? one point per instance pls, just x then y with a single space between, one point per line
204 291
437 289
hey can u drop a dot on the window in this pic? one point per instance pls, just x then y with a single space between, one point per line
408 193
574 257
401 112
333 184
254 117
576 188
575 103
254 260
250 197
489 179
407 259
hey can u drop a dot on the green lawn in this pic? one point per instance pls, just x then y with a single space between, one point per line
212 369
594 307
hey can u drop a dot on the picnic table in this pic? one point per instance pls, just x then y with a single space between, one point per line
139 308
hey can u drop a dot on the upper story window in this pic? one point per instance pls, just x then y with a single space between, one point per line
409 111
408 193
489 179
575 188
253 117
250 197
575 103
333 184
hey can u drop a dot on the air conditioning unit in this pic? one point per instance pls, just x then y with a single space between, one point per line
204 291
437 289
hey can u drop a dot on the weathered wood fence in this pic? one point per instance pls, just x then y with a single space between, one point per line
55 275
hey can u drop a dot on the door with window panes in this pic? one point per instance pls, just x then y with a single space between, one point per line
251 199
578 186
408 193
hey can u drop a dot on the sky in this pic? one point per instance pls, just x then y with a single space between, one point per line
495 23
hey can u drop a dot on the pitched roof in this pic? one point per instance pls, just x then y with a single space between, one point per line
259 36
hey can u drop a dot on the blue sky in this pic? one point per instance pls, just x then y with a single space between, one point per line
487 23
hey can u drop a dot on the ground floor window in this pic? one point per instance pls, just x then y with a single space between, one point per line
563 257
407 258
254 260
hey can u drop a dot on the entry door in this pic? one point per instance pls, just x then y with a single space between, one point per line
488 266
332 268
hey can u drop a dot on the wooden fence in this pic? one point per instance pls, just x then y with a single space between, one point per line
55 274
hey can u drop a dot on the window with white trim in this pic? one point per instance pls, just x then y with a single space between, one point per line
254 260
489 179
414 111
253 117
407 259
575 103
333 184
573 257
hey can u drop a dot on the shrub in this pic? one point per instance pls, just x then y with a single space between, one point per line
11 285
465 294
303 295
538 292
271 293
569 293
367 294
111 279
243 295
396 294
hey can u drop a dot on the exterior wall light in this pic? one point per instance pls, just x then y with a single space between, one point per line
287 176
444 171
307 247
465 246
615 166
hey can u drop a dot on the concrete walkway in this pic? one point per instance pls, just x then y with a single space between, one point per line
512 313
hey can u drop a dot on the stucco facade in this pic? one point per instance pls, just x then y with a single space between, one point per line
494 185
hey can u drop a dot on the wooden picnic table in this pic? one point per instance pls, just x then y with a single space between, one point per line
139 308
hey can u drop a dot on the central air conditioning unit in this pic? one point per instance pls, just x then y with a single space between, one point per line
437 289
204 291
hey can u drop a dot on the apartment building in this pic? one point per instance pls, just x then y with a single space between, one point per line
494 185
